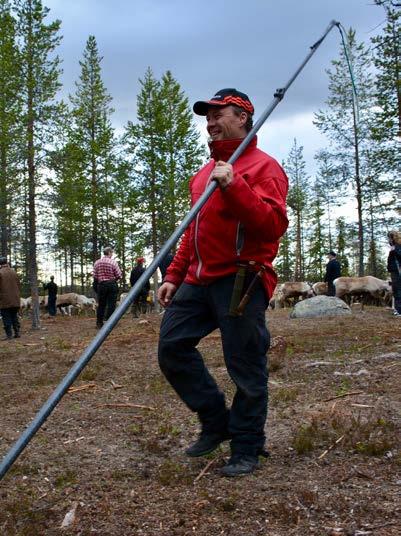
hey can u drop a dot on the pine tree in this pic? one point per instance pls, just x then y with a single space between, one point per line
386 126
164 142
347 120
94 136
297 202
69 230
345 235
182 154
316 237
284 263
125 224
144 140
40 71
10 124
329 187
387 60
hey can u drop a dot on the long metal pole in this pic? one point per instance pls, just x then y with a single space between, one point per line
104 332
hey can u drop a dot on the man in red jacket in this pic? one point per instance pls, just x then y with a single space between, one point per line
235 235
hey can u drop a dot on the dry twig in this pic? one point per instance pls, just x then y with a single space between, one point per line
81 388
77 439
331 447
115 385
125 405
353 393
319 364
206 469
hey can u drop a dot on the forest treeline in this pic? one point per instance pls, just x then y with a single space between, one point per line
70 185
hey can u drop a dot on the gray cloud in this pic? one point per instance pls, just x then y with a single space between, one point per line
254 46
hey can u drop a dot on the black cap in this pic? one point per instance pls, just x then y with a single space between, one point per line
224 97
332 254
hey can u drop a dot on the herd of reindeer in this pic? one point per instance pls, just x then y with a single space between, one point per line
367 290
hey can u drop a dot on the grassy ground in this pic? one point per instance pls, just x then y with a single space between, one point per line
113 450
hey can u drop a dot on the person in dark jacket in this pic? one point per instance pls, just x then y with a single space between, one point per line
10 299
333 270
140 302
394 267
52 289
165 263
231 243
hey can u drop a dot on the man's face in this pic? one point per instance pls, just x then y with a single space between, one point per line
224 124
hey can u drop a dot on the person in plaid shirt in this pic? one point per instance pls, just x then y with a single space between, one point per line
106 273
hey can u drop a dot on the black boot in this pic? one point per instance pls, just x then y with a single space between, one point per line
240 465
205 444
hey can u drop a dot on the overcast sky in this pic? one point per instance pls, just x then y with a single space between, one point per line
253 45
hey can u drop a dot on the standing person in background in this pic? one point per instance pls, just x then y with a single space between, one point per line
394 267
10 297
106 273
333 270
140 302
230 246
52 289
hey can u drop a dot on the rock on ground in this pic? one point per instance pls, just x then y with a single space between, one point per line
320 306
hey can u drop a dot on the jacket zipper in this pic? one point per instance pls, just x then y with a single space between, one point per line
198 270
200 263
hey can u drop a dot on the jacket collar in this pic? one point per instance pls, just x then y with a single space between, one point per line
223 149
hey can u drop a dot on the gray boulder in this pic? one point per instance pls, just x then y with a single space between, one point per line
320 306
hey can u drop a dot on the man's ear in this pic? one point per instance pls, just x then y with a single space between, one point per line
243 118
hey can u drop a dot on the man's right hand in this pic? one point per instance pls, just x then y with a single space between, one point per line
165 293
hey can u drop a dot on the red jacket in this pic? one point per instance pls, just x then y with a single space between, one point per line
256 198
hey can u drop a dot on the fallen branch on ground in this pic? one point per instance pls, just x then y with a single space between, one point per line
125 405
344 394
320 364
331 447
206 469
81 388
115 385
77 439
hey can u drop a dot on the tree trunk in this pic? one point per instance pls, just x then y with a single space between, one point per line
358 185
71 269
4 220
33 268
298 249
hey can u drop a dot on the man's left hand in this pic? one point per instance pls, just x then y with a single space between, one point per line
223 174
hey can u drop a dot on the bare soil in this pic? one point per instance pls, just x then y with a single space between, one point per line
113 451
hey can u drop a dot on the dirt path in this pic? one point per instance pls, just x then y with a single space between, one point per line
112 451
